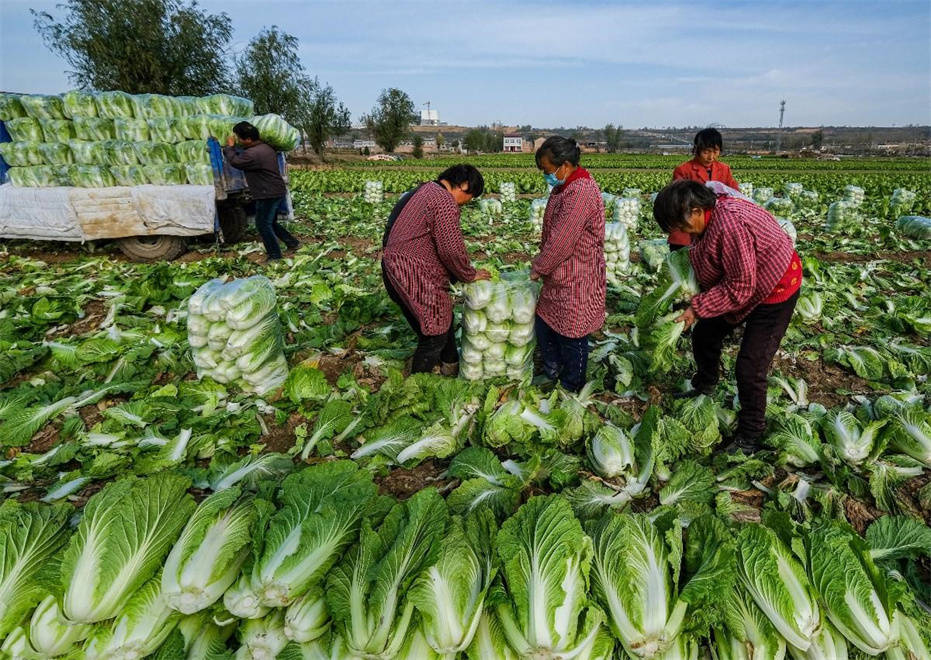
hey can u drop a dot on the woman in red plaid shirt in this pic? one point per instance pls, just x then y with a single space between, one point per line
749 274
423 252
571 264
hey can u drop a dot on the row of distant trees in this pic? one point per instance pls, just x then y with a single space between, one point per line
174 47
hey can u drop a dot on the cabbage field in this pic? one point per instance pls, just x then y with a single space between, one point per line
302 499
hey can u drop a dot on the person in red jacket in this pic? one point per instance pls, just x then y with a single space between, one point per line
749 274
571 264
423 253
704 167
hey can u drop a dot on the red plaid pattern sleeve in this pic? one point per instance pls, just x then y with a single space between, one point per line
424 249
738 260
571 259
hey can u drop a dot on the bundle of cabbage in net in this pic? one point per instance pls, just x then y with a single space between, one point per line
497 327
617 251
25 129
746 189
762 195
915 226
781 207
490 208
276 132
508 192
854 194
627 211
901 202
11 107
235 334
842 215
608 200
22 154
374 192
807 199
39 176
40 106
537 211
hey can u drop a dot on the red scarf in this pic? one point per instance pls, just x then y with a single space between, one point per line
579 173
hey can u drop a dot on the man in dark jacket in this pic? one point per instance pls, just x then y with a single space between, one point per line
259 162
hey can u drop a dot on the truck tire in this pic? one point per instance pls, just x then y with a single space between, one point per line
152 248
233 223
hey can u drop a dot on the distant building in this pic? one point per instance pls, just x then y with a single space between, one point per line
513 142
362 144
429 118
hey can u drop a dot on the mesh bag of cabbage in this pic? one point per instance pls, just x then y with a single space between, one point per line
497 327
235 334
617 252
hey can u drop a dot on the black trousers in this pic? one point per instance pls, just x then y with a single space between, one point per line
266 222
431 349
565 359
763 332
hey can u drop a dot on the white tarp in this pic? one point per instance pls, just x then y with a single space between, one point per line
85 214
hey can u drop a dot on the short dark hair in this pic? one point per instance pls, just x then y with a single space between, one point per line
707 138
246 131
675 201
462 173
559 150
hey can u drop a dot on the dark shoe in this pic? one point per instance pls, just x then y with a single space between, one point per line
449 369
293 246
738 442
271 260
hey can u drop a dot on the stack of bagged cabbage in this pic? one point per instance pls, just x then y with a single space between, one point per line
915 226
617 251
901 202
235 334
762 195
490 207
319 565
508 192
497 327
537 211
374 192
101 139
627 211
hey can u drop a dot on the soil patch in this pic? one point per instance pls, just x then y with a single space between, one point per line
516 257
404 482
281 438
45 439
95 312
904 256
824 379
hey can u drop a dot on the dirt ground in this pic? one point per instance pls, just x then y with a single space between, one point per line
404 482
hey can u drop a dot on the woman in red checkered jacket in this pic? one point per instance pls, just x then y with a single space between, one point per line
423 253
571 264
750 274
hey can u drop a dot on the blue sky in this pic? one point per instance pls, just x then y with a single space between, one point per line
583 63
